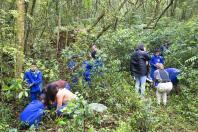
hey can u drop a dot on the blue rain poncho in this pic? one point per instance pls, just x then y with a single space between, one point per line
33 113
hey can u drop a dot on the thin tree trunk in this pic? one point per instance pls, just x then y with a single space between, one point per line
20 33
173 8
58 27
28 26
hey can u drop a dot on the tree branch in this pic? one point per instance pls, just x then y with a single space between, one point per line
97 21
163 12
111 23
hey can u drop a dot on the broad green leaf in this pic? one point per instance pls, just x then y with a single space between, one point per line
20 95
61 122
26 94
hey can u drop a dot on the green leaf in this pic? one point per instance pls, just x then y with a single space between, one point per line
20 95
87 3
91 129
61 122
26 94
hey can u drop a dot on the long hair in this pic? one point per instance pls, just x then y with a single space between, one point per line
51 91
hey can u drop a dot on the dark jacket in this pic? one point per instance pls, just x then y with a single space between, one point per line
138 62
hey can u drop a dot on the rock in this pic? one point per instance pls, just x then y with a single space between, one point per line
97 107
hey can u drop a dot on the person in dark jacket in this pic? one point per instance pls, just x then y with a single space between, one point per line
138 66
155 59
34 79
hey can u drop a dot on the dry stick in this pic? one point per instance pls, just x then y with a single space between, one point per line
164 11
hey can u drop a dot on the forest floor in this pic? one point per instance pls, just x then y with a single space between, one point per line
167 117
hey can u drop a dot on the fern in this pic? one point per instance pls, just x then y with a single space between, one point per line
192 59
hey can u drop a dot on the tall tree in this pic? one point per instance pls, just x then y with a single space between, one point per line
20 34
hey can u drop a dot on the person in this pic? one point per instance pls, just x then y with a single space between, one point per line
34 79
138 68
72 65
173 74
163 83
33 113
156 58
163 49
94 51
55 95
88 68
62 84
98 64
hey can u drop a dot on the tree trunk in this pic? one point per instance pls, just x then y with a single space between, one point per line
173 8
20 34
28 28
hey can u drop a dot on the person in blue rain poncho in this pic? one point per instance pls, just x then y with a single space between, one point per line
72 66
88 67
33 113
173 74
34 79
92 66
155 59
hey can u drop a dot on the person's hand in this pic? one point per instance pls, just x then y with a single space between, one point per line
156 65
31 85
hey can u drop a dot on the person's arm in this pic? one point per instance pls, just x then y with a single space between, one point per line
28 79
146 56
152 62
162 60
39 79
59 99
155 78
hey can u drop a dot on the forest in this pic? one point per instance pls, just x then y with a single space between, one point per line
53 33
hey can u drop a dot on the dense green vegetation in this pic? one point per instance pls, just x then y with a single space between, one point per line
51 32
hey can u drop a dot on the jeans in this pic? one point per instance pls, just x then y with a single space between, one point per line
140 84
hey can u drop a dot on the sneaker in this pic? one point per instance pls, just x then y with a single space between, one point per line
149 80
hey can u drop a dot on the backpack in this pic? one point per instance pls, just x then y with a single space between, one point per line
164 76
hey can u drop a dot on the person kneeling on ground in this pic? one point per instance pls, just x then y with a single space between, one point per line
61 97
163 83
33 113
62 84
173 74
